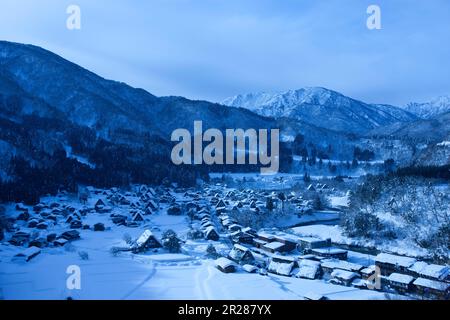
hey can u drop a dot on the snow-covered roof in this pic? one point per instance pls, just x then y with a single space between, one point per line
31 251
309 239
287 237
241 247
344 275
437 285
265 235
430 270
329 250
368 270
224 263
249 268
308 269
395 260
144 238
343 265
400 278
210 229
274 245
280 267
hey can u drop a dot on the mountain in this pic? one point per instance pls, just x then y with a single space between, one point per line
432 130
323 108
86 99
61 125
430 109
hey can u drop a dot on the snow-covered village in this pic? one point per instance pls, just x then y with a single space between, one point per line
214 242
237 151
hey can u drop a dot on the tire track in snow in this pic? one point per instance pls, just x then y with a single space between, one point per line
151 275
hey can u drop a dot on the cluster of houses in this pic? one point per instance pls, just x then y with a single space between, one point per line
314 258
32 227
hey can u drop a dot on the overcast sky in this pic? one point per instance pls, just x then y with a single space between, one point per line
212 49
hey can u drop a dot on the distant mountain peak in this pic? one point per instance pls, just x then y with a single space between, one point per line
322 107
431 109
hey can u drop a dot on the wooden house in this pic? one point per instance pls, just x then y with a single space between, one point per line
309 243
243 237
289 241
368 272
332 253
422 269
225 265
281 265
308 269
137 217
241 254
389 263
27 254
211 234
343 277
328 266
432 289
400 282
146 241
258 243
274 247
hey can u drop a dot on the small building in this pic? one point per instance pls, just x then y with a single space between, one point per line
422 269
308 269
146 241
70 235
27 254
400 282
225 265
328 266
281 265
343 277
309 243
207 224
241 254
243 237
60 242
368 272
220 204
99 204
137 217
211 234
39 243
432 288
258 243
265 236
249 268
289 241
275 246
332 253
389 263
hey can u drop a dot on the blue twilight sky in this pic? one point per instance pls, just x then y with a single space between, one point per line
212 49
